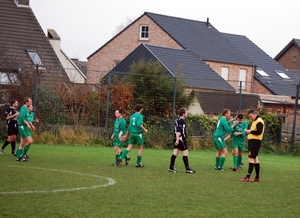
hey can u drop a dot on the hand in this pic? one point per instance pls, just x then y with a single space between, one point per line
145 130
247 131
236 133
176 142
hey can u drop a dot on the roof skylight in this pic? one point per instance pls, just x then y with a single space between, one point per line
282 74
261 72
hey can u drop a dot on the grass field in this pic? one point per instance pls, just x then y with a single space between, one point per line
71 181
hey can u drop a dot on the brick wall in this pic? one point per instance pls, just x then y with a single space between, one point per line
123 44
287 59
233 74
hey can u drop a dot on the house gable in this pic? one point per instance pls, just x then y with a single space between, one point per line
20 34
289 56
105 58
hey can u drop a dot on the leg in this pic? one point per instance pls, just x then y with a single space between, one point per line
139 156
235 159
173 159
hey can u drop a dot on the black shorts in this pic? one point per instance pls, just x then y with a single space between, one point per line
253 148
12 129
182 145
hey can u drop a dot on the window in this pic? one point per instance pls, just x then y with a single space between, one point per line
144 32
242 78
282 74
261 72
8 78
34 57
224 73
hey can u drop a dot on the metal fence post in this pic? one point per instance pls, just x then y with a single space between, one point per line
240 97
174 102
295 116
107 101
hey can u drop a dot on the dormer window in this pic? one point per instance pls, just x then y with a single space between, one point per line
144 32
262 73
282 74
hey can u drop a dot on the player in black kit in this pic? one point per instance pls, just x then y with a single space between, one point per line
12 126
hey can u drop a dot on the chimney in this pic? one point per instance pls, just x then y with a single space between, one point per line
22 2
207 22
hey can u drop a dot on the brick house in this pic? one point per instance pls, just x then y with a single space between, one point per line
235 58
289 56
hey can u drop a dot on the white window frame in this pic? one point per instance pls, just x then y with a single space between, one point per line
144 33
225 73
282 74
262 73
242 77
8 78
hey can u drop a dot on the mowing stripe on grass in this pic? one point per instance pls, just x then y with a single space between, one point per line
109 183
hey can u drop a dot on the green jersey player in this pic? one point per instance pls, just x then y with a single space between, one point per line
238 142
136 135
223 127
119 131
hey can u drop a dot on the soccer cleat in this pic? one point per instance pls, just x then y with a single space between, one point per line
13 154
140 165
23 159
246 179
172 170
216 168
234 169
114 165
26 156
255 180
119 163
127 161
189 170
1 151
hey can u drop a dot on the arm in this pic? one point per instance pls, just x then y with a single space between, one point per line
259 127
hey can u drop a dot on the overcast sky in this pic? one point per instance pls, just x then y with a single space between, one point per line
86 25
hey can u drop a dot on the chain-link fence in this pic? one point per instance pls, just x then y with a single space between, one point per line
92 106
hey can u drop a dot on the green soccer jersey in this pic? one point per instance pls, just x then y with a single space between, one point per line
240 139
120 125
23 115
222 127
136 120
30 117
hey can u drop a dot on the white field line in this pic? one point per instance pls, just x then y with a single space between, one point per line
109 183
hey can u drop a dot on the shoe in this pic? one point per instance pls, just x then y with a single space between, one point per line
189 170
246 179
127 161
23 159
114 165
1 151
217 168
26 156
234 168
221 168
172 170
140 165
238 169
13 154
255 180
119 163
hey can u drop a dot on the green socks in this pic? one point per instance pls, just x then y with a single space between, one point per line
26 148
235 161
139 159
217 161
222 160
124 154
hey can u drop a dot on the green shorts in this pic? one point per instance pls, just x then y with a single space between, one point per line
24 132
117 142
136 139
238 145
219 143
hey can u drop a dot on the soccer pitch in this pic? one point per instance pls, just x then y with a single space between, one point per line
75 181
